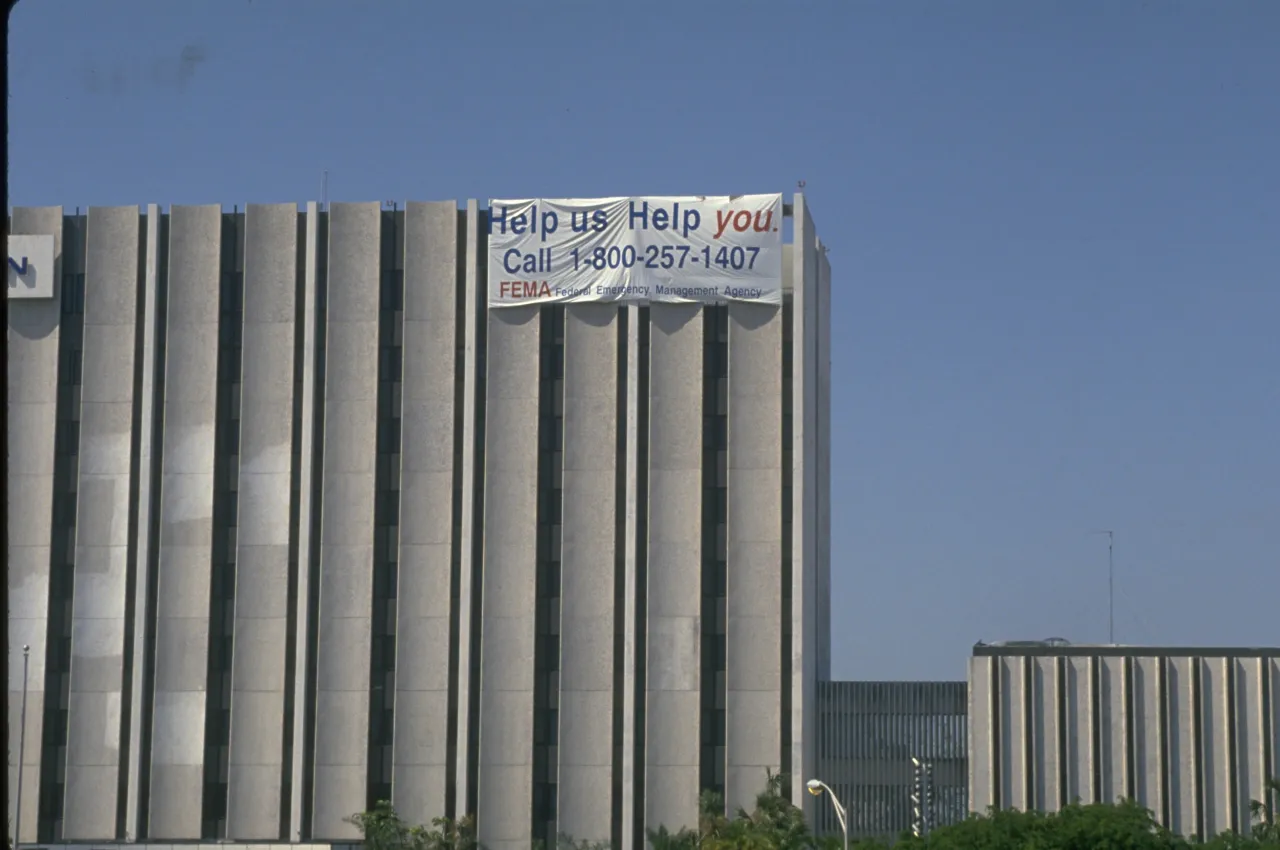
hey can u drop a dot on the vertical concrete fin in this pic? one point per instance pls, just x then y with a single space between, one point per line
268 338
806 435
186 510
346 541
511 558
95 722
754 634
35 387
588 571
673 628
429 533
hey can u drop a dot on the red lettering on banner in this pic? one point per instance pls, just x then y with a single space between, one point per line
523 289
742 220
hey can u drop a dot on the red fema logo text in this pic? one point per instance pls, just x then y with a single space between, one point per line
523 289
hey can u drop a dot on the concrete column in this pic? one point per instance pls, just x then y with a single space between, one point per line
428 535
33 419
505 797
806 501
588 571
346 525
753 711
256 766
674 601
93 768
181 650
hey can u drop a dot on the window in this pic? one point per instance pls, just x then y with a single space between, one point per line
547 616
386 555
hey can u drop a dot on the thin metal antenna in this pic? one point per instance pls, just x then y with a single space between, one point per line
324 190
1111 585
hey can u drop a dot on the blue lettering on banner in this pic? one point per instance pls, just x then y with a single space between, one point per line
20 268
662 219
522 223
515 261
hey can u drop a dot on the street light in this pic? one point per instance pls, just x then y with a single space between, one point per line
22 747
816 787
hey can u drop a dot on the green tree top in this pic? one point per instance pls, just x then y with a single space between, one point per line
775 824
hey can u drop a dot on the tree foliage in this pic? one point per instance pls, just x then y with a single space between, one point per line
775 824
383 829
1099 826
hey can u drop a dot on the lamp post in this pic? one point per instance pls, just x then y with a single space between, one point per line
816 787
22 747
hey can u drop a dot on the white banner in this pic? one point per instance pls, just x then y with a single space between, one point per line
691 249
31 266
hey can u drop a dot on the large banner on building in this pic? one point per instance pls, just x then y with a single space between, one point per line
692 249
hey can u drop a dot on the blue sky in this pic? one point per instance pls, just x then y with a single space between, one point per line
1054 229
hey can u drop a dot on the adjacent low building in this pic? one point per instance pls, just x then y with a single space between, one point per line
1191 733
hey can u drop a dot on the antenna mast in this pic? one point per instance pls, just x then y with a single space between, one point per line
1111 587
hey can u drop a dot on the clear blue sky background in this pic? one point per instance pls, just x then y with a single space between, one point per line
1054 228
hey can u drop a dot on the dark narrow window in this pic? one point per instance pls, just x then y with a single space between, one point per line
715 567
226 486
619 570
785 597
295 514
131 557
477 526
152 576
386 543
62 549
313 565
642 574
546 713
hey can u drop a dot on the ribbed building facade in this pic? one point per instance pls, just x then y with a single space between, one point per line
298 523
1191 734
868 735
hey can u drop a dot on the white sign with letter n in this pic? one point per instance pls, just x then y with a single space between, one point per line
31 273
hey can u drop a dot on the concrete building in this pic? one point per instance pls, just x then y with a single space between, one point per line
298 524
868 734
1192 734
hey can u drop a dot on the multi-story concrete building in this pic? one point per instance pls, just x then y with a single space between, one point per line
1193 734
299 524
